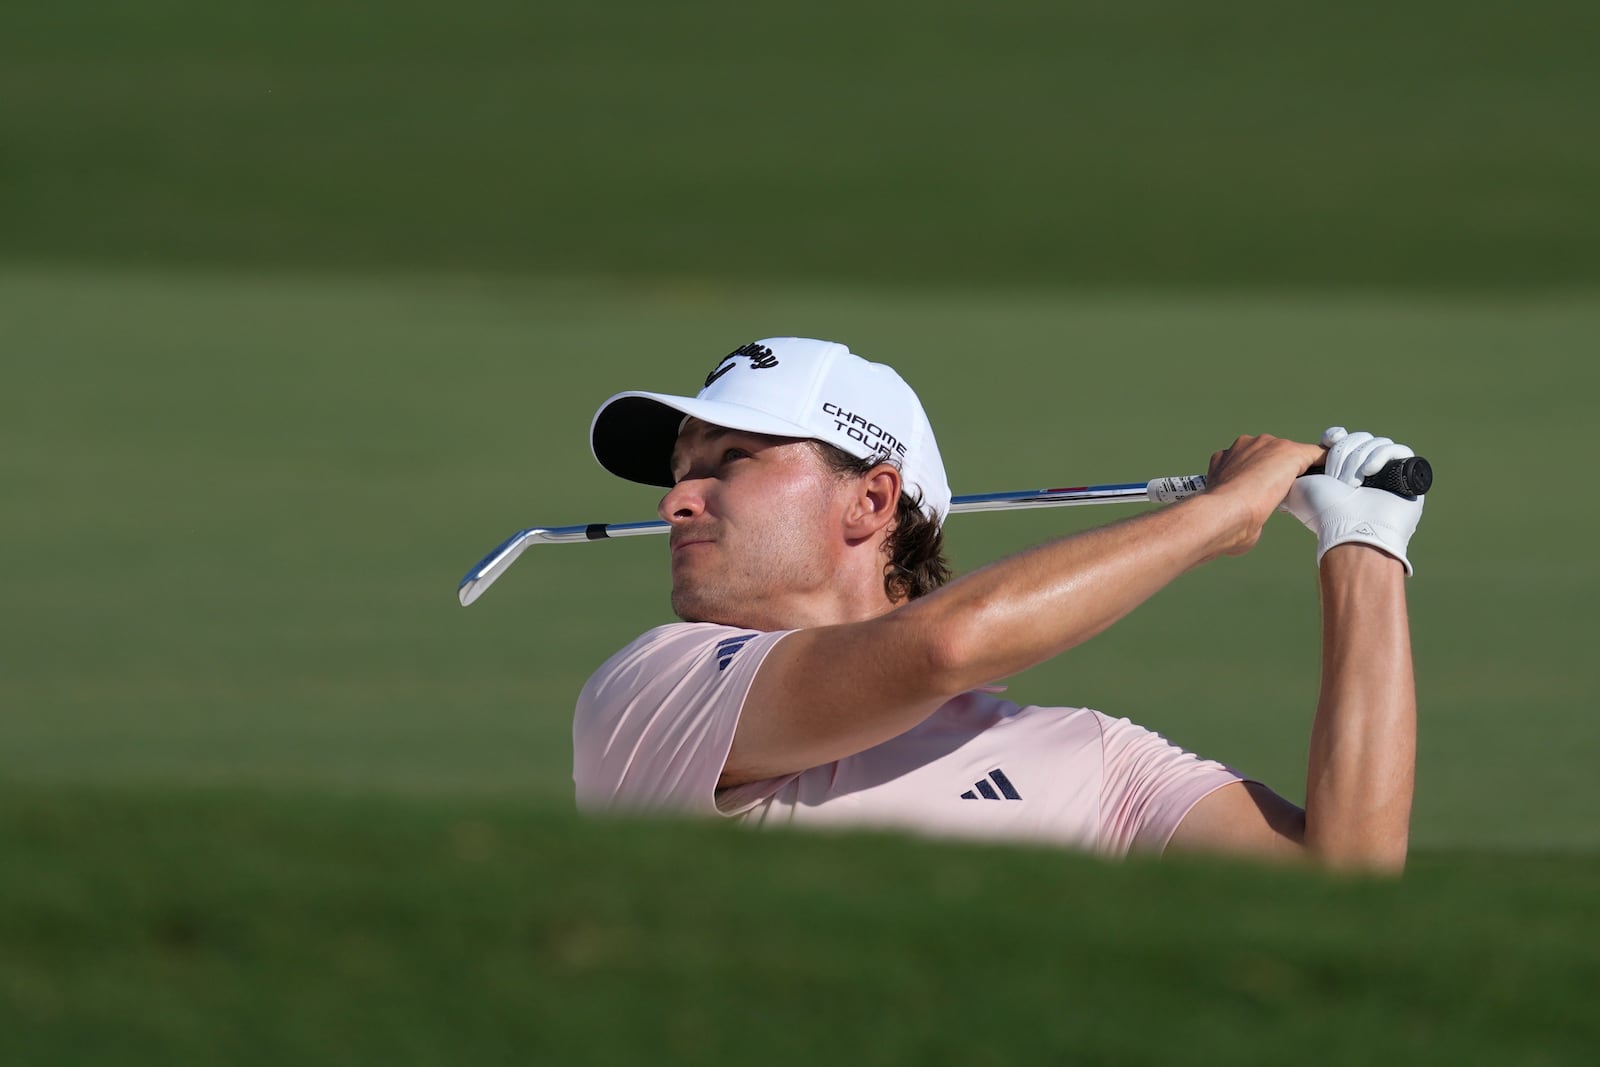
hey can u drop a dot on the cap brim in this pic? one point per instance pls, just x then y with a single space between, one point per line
633 434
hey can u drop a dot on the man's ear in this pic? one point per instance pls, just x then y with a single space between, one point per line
875 503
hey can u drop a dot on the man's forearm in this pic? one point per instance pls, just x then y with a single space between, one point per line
1021 611
1362 765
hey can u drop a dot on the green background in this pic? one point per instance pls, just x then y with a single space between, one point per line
303 307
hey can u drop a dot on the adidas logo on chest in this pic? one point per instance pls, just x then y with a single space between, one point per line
994 786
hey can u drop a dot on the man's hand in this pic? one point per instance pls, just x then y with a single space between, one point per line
1255 474
1333 506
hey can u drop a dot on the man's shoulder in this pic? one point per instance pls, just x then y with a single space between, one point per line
653 726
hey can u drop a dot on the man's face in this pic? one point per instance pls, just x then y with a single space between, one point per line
754 525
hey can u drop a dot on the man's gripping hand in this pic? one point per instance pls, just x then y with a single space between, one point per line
1333 505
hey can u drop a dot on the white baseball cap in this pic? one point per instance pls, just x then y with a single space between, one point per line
785 387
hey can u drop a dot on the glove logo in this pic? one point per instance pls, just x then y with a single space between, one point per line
1365 530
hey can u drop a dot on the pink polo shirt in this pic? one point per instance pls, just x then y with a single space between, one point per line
655 723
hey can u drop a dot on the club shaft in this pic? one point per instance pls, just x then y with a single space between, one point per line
1017 500
1409 477
1162 490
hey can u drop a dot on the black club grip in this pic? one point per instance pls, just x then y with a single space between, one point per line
1409 478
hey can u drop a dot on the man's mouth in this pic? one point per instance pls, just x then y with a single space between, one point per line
688 541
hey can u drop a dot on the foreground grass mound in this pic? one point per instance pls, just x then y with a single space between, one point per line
192 926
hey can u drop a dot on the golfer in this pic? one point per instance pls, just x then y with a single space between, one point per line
827 673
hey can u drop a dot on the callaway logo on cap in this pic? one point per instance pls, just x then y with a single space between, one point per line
785 387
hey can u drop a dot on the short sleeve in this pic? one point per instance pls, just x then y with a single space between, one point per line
654 725
1150 784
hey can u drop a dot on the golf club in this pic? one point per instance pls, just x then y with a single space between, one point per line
1407 477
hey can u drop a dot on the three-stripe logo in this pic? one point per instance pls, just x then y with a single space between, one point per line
729 647
984 788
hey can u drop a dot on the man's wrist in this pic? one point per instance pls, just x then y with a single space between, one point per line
1360 559
1226 518
1369 530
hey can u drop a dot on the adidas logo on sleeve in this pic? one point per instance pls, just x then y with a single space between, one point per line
729 647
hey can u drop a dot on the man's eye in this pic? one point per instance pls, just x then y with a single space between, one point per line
689 469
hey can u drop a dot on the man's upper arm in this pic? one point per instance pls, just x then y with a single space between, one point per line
1242 819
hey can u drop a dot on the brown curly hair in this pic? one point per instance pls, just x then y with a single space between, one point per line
915 546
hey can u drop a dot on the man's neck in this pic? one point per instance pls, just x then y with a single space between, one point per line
805 613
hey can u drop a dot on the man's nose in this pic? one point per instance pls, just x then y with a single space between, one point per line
682 502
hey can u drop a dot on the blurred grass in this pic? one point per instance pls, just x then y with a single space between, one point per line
1369 145
190 926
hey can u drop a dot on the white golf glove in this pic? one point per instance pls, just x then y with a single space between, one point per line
1334 507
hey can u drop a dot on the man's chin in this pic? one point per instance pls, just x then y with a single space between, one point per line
693 607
